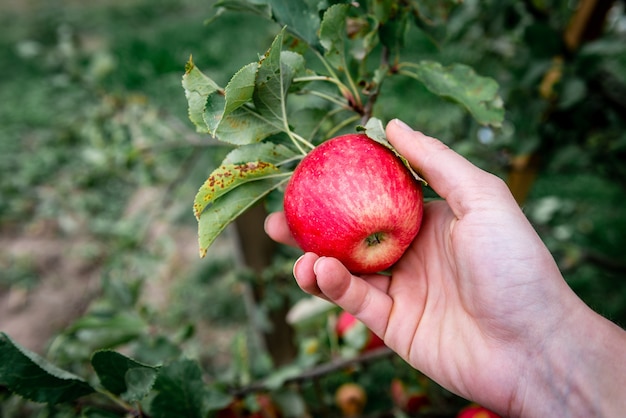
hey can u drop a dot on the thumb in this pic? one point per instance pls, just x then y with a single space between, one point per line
364 297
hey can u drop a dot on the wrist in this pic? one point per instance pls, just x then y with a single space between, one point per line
578 371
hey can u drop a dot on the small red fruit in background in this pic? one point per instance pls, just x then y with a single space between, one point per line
239 408
350 399
476 411
348 323
409 401
353 199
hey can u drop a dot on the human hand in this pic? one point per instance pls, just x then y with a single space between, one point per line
474 298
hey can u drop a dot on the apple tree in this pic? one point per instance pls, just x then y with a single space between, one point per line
322 75
334 67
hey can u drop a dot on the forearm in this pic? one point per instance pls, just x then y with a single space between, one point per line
579 372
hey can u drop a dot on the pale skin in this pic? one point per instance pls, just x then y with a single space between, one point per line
477 302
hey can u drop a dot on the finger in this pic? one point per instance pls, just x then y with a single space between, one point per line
453 177
305 275
276 227
367 299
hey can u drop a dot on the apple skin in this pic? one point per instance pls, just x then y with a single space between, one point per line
239 409
351 399
353 199
345 321
410 401
476 411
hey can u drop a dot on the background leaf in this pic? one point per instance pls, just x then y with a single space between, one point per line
124 376
435 12
259 8
34 378
460 83
333 35
301 18
104 331
182 392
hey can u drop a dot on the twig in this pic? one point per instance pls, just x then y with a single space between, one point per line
321 370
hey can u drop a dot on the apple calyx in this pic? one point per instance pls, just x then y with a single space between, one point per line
375 239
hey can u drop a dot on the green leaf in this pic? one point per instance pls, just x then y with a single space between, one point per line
183 393
29 375
228 207
300 17
333 35
435 12
431 16
270 152
214 112
246 175
91 412
479 95
293 65
260 8
356 336
275 74
278 378
253 104
242 165
104 331
393 23
240 87
124 376
375 130
139 381
245 126
227 177
198 88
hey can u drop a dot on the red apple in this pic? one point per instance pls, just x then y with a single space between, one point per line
351 399
348 323
353 199
476 411
410 401
239 408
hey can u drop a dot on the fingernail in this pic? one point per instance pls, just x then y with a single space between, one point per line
315 265
293 270
265 222
402 125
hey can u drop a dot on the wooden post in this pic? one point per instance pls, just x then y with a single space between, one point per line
586 24
258 251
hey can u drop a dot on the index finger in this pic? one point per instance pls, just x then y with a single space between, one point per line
464 186
276 227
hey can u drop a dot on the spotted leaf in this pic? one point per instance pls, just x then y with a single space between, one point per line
246 175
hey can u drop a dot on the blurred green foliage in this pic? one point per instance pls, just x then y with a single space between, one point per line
92 109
